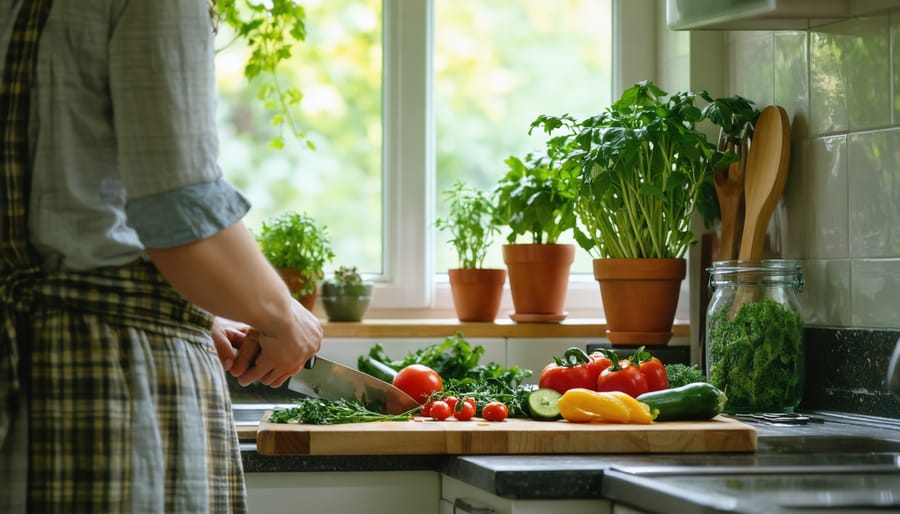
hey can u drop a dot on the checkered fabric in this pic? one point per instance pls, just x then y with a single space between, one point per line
127 405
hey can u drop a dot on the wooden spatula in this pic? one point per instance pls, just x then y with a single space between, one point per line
764 177
729 184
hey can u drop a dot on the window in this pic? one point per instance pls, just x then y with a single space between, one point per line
339 70
404 96
497 66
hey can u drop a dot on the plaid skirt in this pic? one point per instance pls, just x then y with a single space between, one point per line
128 409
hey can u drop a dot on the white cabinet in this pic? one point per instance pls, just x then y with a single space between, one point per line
767 14
468 499
350 492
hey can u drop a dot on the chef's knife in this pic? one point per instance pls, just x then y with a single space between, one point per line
329 380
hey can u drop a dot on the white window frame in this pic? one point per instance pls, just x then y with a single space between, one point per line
409 280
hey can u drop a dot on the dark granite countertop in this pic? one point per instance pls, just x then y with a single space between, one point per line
828 442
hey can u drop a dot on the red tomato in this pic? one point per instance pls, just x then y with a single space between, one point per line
451 401
495 411
598 363
439 410
623 377
464 410
418 381
569 372
655 373
426 409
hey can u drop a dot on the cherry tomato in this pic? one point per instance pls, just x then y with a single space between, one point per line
495 411
464 410
623 377
451 401
426 409
418 381
439 410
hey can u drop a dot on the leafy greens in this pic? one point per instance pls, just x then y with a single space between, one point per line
316 411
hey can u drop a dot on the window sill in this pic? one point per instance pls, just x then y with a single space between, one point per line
443 327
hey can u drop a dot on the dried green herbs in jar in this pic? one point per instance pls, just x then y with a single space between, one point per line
754 335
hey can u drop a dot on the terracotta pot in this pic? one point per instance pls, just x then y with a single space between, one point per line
639 297
477 292
538 279
295 282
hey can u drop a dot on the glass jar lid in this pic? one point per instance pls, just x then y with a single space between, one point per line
766 272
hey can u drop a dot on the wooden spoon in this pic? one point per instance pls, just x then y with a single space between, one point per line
764 178
730 192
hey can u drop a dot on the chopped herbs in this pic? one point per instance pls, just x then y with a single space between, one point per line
757 358
315 411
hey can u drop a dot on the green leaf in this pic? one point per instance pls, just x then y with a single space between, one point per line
641 170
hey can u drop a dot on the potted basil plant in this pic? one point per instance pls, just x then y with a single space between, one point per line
535 199
298 247
644 169
476 290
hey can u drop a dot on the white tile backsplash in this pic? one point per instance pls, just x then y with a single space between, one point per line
874 184
826 295
751 70
828 198
876 293
841 207
827 83
867 59
791 79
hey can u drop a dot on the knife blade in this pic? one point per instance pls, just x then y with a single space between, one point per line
329 380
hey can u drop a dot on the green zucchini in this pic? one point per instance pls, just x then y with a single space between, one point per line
377 369
543 404
694 401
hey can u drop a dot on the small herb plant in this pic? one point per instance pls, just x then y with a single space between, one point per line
643 169
296 241
535 197
345 280
470 223
271 30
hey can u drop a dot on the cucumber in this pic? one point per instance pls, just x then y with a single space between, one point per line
694 401
377 369
543 404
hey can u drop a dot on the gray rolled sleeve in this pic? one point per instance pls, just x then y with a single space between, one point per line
187 214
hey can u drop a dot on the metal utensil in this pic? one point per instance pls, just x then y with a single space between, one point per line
894 371
329 380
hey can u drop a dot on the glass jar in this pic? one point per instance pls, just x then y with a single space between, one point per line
754 335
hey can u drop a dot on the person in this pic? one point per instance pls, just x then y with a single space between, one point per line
129 283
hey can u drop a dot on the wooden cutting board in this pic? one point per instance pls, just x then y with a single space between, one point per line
513 436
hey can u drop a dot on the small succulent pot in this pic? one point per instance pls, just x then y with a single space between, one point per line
346 297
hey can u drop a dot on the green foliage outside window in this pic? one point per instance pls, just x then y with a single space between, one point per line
496 66
270 30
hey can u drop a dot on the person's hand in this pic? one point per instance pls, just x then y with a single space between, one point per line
273 357
228 335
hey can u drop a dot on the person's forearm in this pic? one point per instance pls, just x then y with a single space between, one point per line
227 275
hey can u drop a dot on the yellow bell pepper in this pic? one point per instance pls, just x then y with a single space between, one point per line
585 406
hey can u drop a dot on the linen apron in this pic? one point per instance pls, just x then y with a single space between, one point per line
112 397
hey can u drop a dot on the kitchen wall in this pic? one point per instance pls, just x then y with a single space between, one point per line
840 215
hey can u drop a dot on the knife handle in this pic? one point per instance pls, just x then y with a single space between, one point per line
310 363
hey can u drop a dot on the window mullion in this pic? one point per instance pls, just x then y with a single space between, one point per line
408 160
